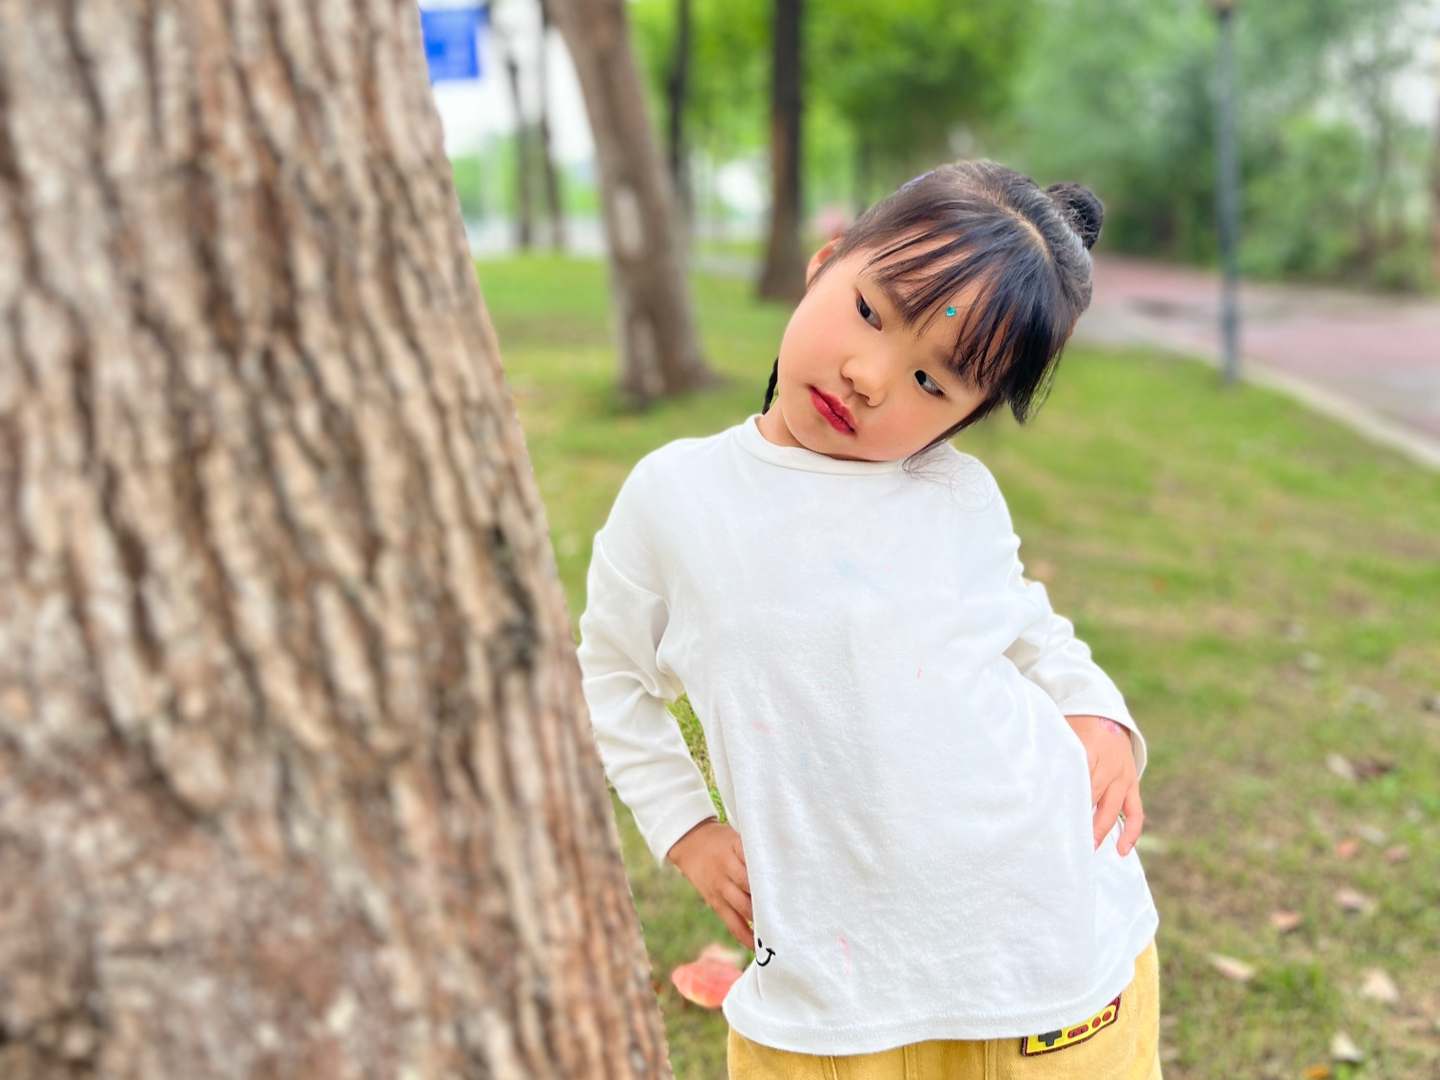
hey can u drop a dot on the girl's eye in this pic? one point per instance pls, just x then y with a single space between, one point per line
929 385
867 312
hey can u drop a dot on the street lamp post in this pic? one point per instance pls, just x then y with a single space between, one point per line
1227 189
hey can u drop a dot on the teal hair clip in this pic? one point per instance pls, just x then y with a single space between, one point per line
949 311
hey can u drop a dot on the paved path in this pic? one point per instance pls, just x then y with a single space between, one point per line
1370 361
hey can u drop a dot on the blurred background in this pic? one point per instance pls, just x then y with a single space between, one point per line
1337 123
1257 562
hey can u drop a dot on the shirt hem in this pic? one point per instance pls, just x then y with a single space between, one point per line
874 1038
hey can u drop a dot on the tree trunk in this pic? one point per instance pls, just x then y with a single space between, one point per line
678 90
547 150
1435 174
525 214
784 274
295 775
655 326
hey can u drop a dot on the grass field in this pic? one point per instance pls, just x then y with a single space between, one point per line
1263 586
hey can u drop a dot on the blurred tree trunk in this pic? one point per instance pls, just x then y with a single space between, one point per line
1435 172
525 214
659 350
678 91
295 775
547 149
784 275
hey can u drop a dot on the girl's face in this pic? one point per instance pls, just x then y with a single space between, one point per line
855 381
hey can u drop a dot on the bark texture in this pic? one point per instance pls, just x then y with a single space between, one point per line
295 777
783 277
655 324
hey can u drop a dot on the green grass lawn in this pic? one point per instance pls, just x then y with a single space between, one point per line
1264 587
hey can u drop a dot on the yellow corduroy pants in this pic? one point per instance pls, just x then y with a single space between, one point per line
1125 1046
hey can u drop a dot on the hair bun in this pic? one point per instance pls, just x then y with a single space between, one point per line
1083 212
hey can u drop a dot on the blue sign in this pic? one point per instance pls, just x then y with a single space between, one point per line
452 41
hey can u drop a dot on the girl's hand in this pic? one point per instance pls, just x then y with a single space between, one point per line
711 858
1114 787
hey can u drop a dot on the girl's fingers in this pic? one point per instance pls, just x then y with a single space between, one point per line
742 933
740 901
1134 821
1108 811
740 875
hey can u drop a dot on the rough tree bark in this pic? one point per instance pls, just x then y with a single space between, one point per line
783 277
655 326
295 777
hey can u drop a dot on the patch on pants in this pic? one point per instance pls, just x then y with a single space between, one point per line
1059 1039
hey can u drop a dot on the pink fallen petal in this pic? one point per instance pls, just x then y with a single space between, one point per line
705 982
715 951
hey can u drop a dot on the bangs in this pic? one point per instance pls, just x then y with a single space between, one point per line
1008 336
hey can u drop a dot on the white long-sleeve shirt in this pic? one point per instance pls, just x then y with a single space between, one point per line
883 698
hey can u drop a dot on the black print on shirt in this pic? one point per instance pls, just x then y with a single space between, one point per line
761 945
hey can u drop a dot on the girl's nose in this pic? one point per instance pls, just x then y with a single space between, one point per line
867 374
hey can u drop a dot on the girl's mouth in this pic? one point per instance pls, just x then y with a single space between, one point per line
835 414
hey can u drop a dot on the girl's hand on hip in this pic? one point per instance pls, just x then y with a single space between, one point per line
1114 787
711 858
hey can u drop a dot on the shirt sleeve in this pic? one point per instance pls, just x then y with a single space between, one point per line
1048 653
626 687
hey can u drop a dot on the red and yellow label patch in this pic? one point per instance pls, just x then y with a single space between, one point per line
1032 1045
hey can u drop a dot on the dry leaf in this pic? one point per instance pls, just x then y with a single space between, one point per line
1346 848
1372 768
1343 1048
1378 986
1340 765
1231 968
1151 845
706 981
1397 854
1318 1072
1285 921
1354 900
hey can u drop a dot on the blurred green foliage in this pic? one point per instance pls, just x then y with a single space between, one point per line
1114 94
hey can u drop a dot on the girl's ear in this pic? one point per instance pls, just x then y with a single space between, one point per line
819 259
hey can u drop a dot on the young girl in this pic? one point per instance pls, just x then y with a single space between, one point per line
923 768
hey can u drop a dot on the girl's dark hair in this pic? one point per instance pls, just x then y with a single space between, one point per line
1025 251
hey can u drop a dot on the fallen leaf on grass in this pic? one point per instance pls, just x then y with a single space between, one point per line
1343 1048
1231 968
1340 765
706 981
1151 845
1372 768
1354 900
1397 854
1285 921
1378 986
715 951
1372 834
1346 848
1318 1072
